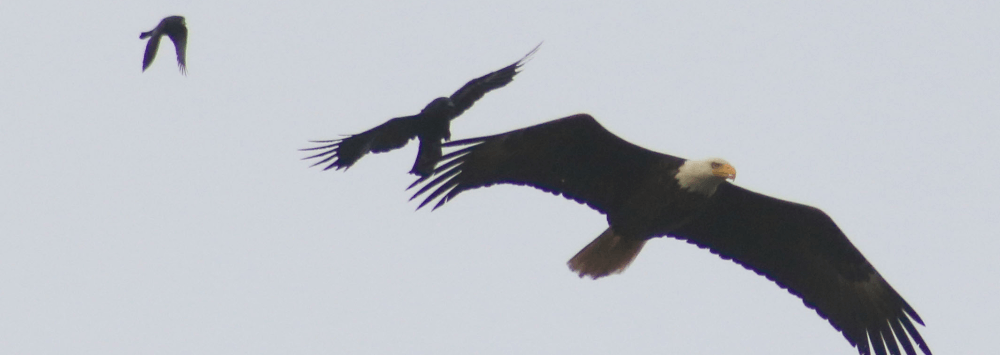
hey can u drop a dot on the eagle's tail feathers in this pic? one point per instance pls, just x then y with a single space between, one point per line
609 253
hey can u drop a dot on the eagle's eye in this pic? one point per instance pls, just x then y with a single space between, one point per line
716 165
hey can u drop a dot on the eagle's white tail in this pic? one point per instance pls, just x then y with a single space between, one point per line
609 254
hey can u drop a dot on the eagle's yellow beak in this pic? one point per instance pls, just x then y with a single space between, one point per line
725 171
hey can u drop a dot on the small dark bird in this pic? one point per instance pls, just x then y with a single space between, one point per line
430 126
646 194
175 28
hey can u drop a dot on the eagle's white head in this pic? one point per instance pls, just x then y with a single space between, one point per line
704 176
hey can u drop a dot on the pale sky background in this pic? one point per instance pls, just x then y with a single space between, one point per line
152 213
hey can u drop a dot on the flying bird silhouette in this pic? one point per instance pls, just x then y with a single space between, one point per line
430 126
646 194
175 28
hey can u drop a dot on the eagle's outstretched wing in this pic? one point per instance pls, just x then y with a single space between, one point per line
573 156
802 250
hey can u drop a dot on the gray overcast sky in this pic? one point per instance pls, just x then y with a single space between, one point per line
151 213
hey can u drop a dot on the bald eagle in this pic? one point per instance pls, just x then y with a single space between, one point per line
646 194
431 126
175 28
